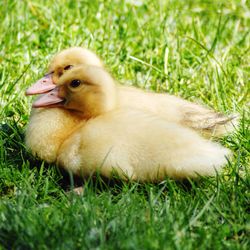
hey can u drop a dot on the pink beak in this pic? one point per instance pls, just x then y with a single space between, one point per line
50 99
43 85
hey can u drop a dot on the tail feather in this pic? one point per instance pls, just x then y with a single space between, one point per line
209 123
221 126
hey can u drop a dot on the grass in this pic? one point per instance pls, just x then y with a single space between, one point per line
195 49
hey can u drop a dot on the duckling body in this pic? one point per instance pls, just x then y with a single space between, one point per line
91 131
139 146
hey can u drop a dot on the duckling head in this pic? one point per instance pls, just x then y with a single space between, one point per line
88 90
71 57
61 63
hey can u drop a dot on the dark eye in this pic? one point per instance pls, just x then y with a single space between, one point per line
68 67
75 83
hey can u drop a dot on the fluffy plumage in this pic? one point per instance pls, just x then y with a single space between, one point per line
91 131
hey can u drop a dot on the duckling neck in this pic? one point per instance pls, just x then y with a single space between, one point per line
110 100
106 102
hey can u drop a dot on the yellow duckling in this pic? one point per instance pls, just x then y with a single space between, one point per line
96 133
171 108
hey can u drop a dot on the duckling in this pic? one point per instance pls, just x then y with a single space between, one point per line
174 109
104 136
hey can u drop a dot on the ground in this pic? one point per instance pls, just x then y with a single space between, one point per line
198 50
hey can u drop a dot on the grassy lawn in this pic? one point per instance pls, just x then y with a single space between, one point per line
196 49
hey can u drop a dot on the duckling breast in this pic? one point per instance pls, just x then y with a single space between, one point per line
46 131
